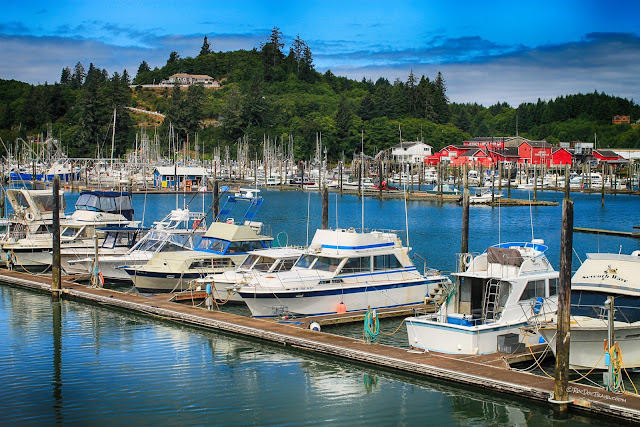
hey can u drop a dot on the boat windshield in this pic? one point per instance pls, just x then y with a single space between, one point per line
357 265
327 264
249 261
305 261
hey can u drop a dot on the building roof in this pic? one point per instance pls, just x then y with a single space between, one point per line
181 170
537 144
473 153
408 144
607 153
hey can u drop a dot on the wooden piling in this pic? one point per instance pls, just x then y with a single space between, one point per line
325 208
563 338
55 268
216 199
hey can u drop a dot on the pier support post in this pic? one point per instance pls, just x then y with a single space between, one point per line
325 208
55 269
602 185
216 200
563 336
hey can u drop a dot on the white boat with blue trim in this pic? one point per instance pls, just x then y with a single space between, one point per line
496 296
342 270
603 277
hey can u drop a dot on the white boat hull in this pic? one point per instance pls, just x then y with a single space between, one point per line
450 338
323 299
587 345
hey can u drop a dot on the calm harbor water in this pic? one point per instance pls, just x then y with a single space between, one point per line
74 363
69 362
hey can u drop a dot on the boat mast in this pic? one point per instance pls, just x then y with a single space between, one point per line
113 135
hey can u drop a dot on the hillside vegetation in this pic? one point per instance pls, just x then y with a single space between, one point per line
267 92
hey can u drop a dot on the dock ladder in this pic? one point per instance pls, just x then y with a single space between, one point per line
491 300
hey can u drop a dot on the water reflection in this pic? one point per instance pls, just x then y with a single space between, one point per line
56 306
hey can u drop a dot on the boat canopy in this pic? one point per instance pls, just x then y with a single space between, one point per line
504 256
106 201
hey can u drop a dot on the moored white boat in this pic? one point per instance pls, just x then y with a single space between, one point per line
342 270
600 277
501 291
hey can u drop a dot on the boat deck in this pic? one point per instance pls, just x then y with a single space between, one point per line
489 372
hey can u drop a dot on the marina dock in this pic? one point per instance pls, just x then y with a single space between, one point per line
489 372
634 234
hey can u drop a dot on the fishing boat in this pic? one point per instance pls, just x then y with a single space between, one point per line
178 231
259 262
222 247
342 270
605 282
496 294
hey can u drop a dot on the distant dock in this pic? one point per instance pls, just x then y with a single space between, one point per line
633 234
489 372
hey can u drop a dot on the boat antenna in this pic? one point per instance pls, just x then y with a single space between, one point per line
308 202
531 216
406 216
361 174
336 211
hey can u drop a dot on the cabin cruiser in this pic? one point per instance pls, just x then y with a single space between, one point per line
178 231
495 295
342 270
484 195
604 282
93 210
258 262
222 247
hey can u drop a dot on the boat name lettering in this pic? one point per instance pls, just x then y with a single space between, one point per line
606 276
594 393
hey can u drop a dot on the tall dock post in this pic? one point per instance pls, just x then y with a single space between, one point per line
216 200
560 394
55 269
325 208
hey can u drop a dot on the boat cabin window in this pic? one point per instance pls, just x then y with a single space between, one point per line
69 232
305 261
209 263
356 265
553 287
327 264
285 264
241 247
119 240
264 263
44 202
249 261
534 289
386 262
214 245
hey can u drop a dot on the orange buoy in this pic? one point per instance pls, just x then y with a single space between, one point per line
342 308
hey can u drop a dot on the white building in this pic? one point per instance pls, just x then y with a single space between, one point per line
410 152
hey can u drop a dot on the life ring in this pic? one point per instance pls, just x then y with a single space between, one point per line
196 224
101 280
30 216
466 259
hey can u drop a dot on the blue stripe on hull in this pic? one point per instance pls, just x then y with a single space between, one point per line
336 291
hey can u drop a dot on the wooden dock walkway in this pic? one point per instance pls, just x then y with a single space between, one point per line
634 234
490 372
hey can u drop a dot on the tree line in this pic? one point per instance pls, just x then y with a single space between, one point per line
267 92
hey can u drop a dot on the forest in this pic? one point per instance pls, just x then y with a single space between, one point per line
266 92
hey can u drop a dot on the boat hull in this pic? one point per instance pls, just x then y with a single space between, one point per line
452 338
587 346
326 300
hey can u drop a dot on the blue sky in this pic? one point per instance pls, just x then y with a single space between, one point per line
488 52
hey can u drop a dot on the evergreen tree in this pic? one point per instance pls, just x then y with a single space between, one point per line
65 77
367 108
205 49
79 74
440 100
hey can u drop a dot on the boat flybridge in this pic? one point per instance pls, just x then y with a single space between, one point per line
343 270
604 283
93 210
222 247
496 295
